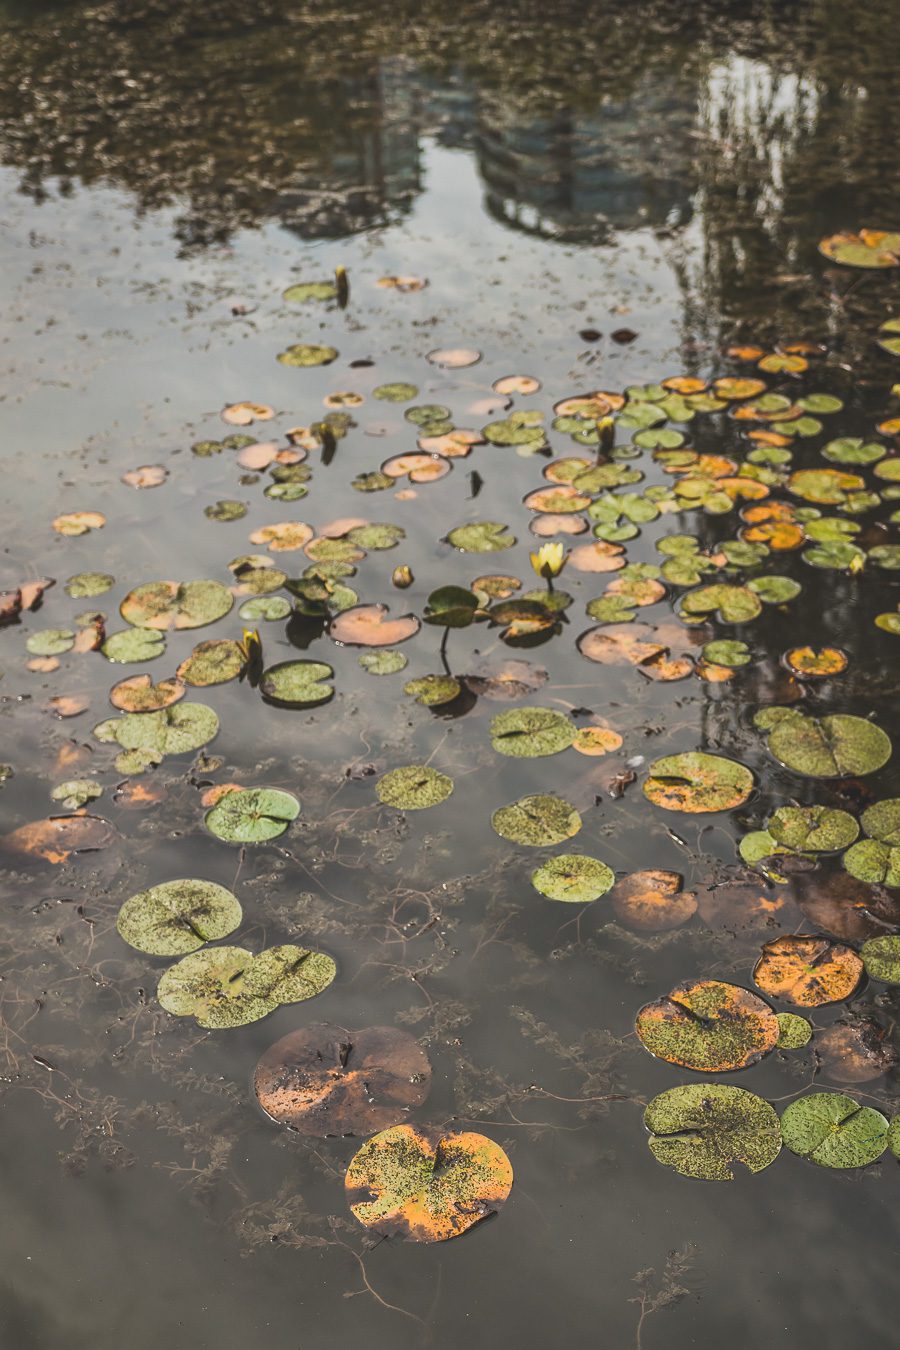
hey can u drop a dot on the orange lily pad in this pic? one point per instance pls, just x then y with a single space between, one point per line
708 1026
372 626
808 971
652 901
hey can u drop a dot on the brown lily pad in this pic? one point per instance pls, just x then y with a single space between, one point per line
652 901
57 837
808 971
372 626
855 1052
139 694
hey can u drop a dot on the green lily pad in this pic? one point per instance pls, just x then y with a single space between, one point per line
304 291
133 645
853 450
701 1130
574 878
696 782
881 958
395 393
527 733
414 787
775 590
812 829
730 604
833 553
225 510
384 662
178 917
76 792
230 987
451 607
297 684
835 746
214 662
537 820
794 1031
86 584
484 536
252 815
374 538
265 608
50 642
886 556
171 731
833 1130
307 354
759 845
170 604
875 862
433 690
726 652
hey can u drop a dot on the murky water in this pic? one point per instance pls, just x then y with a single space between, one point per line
599 196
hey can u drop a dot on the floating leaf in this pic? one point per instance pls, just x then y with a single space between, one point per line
855 1052
701 1130
50 642
172 731
697 782
242 414
808 663
454 358
414 787
297 684
816 829
808 971
574 878
230 987
76 792
395 393
304 291
835 746
170 604
426 1185
793 1032
252 815
133 645
58 837
370 626
384 662
869 248
178 917
215 661
652 901
139 694
485 536
881 957
432 691
527 733
596 740
307 354
708 1026
74 523
537 821
833 1130
451 607
325 1080
266 608
727 652
85 585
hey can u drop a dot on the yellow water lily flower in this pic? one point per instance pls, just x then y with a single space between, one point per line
549 560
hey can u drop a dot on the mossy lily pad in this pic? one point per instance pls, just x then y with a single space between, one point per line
266 608
252 815
537 820
304 291
528 733
84 585
574 878
697 782
74 793
414 787
426 1185
834 1131
808 971
178 917
812 829
139 694
432 691
834 746
50 642
297 684
794 1032
881 958
702 1130
485 536
171 731
727 652
708 1026
307 354
730 604
213 662
868 248
133 645
384 662
170 604
229 987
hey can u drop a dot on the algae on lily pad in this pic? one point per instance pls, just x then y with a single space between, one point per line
574 878
808 971
528 733
84 585
215 661
834 746
171 731
172 604
383 661
229 987
178 917
834 1131
794 1031
537 820
703 1130
881 958
414 787
75 792
696 782
307 354
297 684
708 1026
134 645
812 829
485 536
433 691
252 815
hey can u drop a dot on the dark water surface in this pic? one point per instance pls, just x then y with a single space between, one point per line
553 171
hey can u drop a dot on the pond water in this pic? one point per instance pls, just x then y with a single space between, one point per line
597 196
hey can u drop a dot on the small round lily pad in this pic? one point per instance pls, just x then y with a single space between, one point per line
537 820
134 645
573 877
414 787
383 662
178 917
252 815
528 733
794 1032
881 957
297 684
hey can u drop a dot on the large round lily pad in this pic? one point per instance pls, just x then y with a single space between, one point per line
178 917
297 684
573 877
229 986
702 1130
171 731
537 820
696 782
414 787
808 971
427 1185
833 1130
812 829
172 604
528 733
708 1026
252 815
325 1080
834 746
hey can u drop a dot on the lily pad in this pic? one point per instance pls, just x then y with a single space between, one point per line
794 1032
75 792
383 662
325 1080
808 971
215 661
708 1026
485 536
50 642
727 652
432 691
395 393
171 731
537 820
372 626
652 901
834 1131
170 604
528 733
697 782
252 815
414 787
266 608
834 746
304 291
133 645
426 1185
178 917
307 354
868 248
297 684
574 878
451 607
230 987
812 829
84 585
881 958
139 694
702 1130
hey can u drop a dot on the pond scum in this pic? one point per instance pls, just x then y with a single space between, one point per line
791 490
